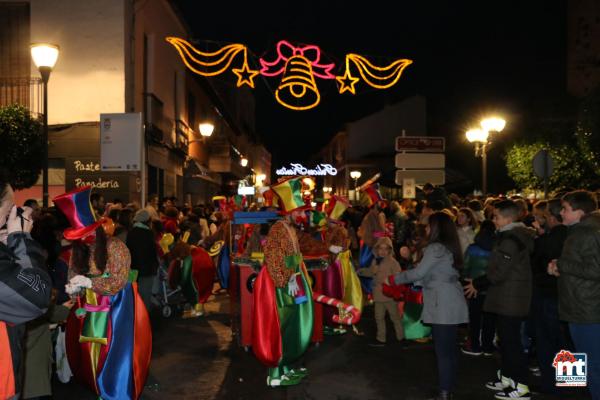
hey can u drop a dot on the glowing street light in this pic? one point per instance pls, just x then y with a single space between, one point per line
206 129
244 161
481 139
44 57
477 135
494 124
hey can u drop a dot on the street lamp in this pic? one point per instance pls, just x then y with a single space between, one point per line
481 138
44 57
355 175
206 129
244 161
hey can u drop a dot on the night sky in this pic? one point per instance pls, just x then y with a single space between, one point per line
470 59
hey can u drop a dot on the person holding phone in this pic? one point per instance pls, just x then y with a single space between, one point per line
25 287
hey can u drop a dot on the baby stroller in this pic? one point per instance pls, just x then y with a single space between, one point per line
169 292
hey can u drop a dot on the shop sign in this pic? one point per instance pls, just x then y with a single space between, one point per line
81 172
299 169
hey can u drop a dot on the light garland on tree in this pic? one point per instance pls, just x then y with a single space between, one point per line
298 66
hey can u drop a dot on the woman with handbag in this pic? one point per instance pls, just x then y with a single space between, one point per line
444 305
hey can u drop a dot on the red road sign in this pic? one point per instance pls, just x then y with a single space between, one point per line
420 143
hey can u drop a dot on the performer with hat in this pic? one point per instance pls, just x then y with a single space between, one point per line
372 227
340 279
108 337
283 304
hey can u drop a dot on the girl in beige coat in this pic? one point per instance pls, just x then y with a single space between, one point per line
384 264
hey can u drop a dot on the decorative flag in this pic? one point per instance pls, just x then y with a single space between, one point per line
335 207
289 193
370 196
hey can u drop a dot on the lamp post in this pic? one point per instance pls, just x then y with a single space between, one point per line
481 138
44 57
355 175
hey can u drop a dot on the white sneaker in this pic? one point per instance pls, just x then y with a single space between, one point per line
518 391
500 384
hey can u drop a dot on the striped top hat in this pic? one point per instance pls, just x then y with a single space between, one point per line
77 208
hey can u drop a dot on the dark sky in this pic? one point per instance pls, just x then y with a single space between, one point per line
470 58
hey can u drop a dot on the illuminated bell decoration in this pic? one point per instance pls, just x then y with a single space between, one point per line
298 89
299 67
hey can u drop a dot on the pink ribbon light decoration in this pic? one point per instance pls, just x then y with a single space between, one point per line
285 51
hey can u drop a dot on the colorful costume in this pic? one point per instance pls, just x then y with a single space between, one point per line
197 276
340 280
108 336
283 307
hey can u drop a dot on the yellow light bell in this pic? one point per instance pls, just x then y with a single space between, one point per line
298 89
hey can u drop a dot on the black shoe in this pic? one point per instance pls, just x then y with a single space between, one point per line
376 343
443 395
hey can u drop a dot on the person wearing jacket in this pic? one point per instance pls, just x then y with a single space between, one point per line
508 282
444 306
550 335
25 288
383 265
481 325
578 272
144 255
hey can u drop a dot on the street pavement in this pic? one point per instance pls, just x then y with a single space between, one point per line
199 359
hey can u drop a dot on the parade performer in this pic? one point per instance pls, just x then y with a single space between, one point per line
218 246
197 275
283 304
372 227
340 280
108 337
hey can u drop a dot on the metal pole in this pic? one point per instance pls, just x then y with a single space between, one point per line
484 169
45 73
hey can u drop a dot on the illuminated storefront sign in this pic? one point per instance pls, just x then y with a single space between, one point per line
299 169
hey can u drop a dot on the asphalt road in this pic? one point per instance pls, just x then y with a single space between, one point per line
198 359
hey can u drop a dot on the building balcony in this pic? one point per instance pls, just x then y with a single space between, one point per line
28 92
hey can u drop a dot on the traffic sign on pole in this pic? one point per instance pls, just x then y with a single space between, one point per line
427 144
409 190
421 176
421 160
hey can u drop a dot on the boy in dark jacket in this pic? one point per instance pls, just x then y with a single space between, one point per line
578 272
25 288
508 282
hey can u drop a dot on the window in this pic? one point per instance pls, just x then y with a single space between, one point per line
14 40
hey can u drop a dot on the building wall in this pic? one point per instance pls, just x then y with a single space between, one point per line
376 133
583 46
89 76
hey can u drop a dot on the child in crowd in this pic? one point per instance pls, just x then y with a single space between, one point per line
481 325
578 272
509 284
384 264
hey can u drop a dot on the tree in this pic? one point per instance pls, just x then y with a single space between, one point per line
570 171
21 144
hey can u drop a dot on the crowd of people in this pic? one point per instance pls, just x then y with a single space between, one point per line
522 277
